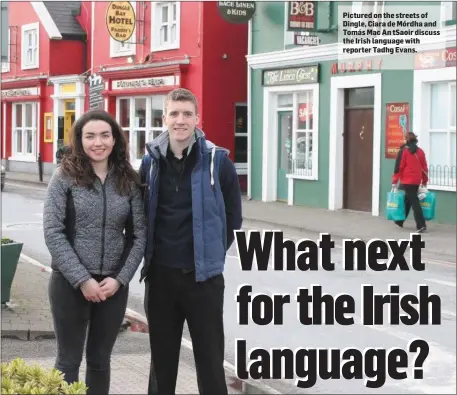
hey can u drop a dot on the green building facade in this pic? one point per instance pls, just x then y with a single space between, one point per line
324 127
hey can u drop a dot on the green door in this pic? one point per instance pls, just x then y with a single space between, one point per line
284 152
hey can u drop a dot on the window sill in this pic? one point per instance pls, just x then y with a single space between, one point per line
29 67
298 177
122 54
165 48
23 158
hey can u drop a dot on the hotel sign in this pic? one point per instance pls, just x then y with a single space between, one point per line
291 76
141 83
120 20
20 92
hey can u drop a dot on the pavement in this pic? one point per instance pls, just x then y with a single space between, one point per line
28 333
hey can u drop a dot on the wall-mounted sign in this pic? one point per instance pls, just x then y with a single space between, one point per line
436 59
48 129
312 40
236 11
356 65
397 125
296 75
302 15
120 20
96 86
21 92
144 83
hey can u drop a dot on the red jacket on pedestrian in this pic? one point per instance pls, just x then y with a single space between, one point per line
410 165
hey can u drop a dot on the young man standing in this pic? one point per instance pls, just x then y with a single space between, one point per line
193 205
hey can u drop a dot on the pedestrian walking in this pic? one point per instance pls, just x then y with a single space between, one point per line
193 206
94 228
411 171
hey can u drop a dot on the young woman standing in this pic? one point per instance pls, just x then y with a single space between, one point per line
94 228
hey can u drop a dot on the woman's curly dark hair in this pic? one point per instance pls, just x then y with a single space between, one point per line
77 165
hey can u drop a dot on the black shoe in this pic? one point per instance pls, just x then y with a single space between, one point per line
399 224
422 230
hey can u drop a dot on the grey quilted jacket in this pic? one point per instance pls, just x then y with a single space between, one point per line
84 230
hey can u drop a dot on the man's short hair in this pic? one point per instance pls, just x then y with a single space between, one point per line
181 94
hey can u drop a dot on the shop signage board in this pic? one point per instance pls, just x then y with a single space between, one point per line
311 39
120 20
140 83
236 11
291 76
446 57
21 92
397 125
96 86
357 65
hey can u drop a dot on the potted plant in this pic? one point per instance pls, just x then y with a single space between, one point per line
11 251
20 378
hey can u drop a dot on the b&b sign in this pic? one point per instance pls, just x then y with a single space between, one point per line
302 15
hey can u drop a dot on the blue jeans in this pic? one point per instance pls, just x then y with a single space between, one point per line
73 315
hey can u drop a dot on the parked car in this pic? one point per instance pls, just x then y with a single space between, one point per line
3 177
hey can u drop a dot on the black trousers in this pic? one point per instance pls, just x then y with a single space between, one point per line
171 297
411 200
72 315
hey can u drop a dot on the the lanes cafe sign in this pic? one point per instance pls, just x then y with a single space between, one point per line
291 76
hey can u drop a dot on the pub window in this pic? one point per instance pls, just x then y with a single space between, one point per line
141 122
241 136
24 129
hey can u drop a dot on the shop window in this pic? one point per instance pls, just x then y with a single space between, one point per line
441 132
125 48
24 130
165 26
141 121
30 46
241 138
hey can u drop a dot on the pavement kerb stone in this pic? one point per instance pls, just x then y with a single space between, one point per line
247 386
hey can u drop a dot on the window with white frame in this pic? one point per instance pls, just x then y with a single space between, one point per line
303 150
141 121
165 26
30 46
6 63
24 129
367 7
441 131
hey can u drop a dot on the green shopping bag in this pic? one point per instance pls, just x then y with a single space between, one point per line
395 210
428 206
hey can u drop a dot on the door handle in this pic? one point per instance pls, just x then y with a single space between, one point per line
361 133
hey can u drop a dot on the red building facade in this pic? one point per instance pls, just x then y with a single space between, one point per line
175 44
40 45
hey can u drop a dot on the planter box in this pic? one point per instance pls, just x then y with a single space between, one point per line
10 258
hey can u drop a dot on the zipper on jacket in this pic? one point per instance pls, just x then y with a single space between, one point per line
103 226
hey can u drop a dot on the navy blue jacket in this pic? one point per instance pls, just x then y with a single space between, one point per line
216 203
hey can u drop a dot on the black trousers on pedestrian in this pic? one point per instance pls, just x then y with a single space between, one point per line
173 296
411 200
73 315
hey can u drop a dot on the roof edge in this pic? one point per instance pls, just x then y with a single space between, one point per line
46 20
